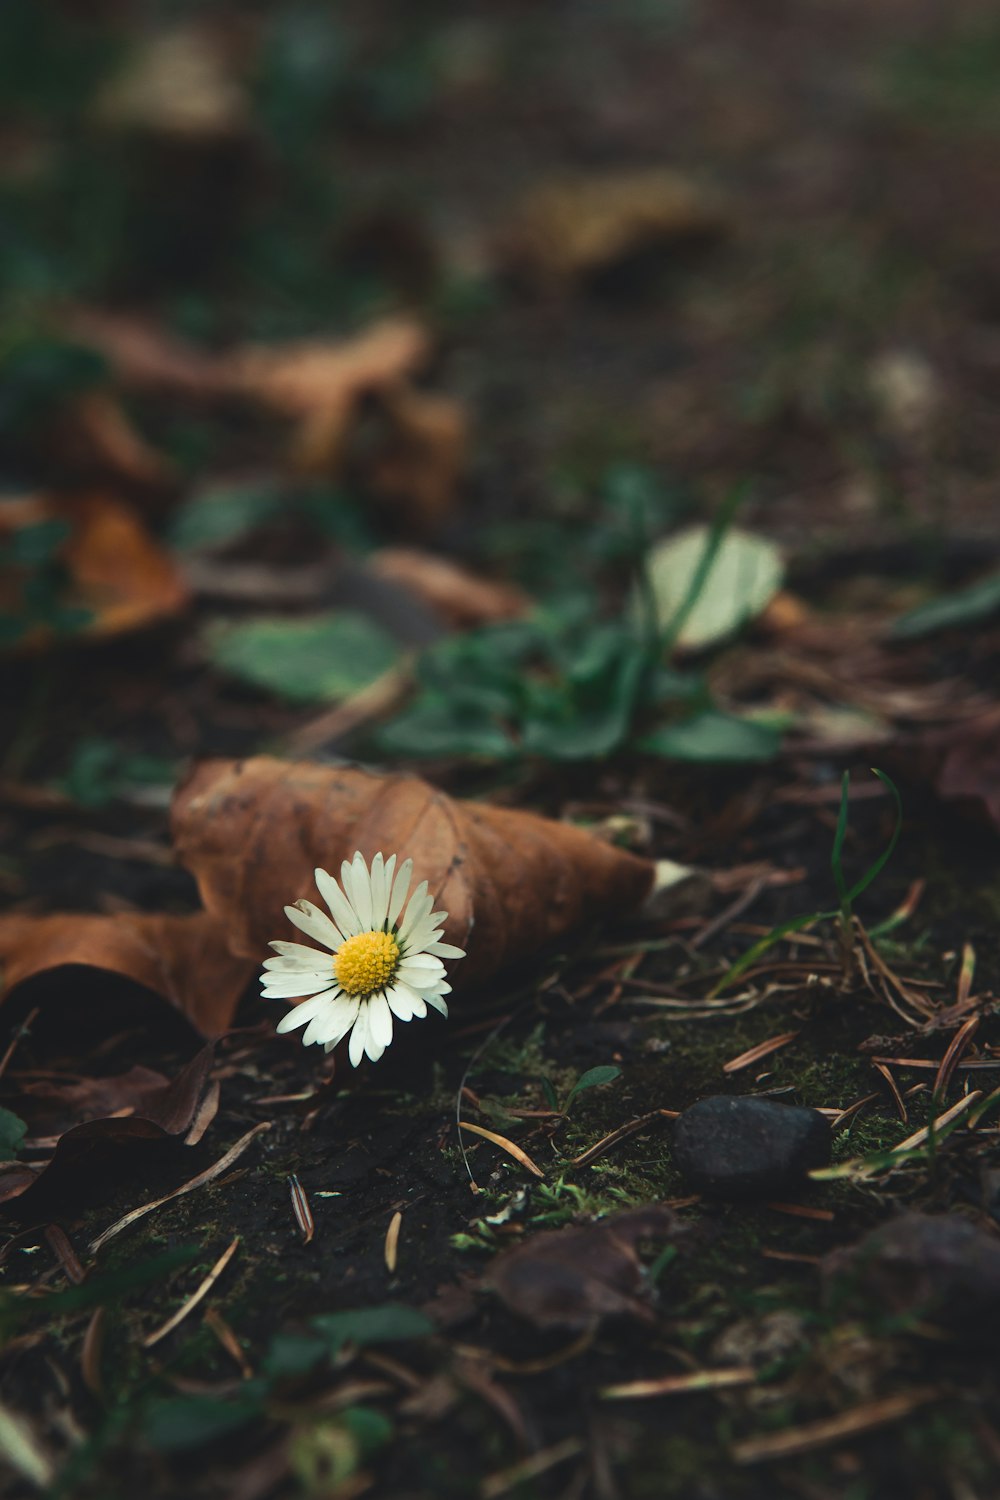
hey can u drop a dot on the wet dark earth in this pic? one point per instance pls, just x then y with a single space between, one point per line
401 1305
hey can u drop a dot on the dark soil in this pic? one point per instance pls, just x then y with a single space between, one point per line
856 146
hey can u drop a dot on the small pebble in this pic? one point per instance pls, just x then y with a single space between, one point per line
749 1148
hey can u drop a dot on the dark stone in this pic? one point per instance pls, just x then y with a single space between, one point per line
749 1148
935 1266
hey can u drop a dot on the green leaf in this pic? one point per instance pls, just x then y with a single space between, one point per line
877 866
174 1424
966 606
592 1079
31 546
218 517
713 736
840 833
712 601
294 1354
432 727
387 1324
321 658
12 1133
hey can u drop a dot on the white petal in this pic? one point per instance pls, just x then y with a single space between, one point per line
373 1048
400 1003
343 911
408 993
315 923
340 1023
416 912
440 988
361 896
445 950
399 890
380 1020
287 986
359 1036
423 963
420 978
302 1013
284 968
349 880
419 938
295 951
336 1018
437 1002
380 892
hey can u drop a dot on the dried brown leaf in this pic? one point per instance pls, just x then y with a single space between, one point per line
462 598
145 357
94 437
414 440
176 83
573 1278
116 571
253 831
87 1152
184 959
566 230
416 468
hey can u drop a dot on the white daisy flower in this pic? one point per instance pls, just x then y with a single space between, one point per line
379 960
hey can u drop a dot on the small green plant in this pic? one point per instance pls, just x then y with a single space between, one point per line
567 685
35 583
593 1078
12 1133
99 771
843 913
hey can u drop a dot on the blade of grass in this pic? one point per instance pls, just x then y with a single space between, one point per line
847 896
836 862
720 525
875 869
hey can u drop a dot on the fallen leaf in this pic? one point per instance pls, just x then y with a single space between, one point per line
906 391
53 1105
713 738
417 467
462 598
565 231
142 356
252 832
316 658
966 607
414 443
320 383
962 763
574 1278
92 436
86 1151
938 1266
182 958
742 579
175 83
117 578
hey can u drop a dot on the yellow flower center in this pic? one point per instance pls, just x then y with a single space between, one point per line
365 964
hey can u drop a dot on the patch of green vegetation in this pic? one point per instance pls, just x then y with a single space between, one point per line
948 83
100 771
568 684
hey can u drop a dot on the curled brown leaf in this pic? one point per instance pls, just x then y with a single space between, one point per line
573 1278
182 958
252 832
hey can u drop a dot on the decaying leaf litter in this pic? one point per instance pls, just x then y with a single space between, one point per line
647 499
